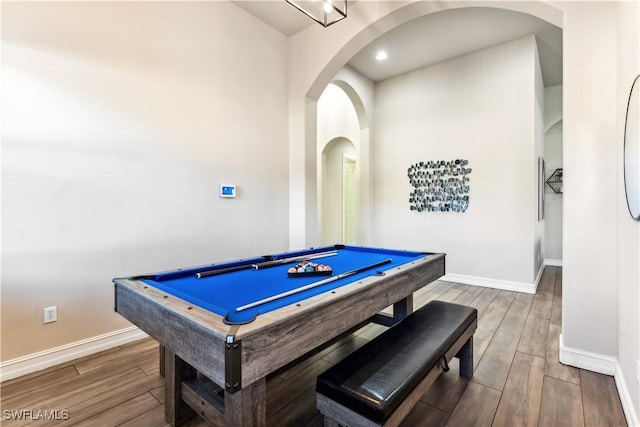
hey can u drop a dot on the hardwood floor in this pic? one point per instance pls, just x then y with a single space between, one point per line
517 381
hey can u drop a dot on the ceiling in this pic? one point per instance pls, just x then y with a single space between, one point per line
430 39
277 13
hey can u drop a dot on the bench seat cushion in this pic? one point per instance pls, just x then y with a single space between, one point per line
377 377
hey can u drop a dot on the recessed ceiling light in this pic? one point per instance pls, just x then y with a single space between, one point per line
382 55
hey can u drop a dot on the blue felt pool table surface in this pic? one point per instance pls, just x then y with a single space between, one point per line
224 293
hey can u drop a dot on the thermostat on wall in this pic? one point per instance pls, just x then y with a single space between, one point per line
227 190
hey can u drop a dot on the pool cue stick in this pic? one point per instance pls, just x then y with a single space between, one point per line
277 262
313 285
265 264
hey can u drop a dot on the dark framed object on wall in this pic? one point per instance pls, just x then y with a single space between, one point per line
632 151
541 182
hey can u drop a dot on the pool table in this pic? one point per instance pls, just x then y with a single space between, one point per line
224 327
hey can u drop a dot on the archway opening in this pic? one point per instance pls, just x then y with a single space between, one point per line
339 141
338 201
385 165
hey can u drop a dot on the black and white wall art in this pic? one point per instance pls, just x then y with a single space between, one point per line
439 186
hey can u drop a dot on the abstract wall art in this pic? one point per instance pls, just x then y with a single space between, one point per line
439 186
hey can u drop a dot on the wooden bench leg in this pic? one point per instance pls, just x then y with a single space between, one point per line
466 358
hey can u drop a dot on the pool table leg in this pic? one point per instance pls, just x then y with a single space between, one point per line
176 370
161 358
247 407
402 308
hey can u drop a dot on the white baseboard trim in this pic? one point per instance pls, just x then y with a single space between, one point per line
529 288
538 277
587 360
54 356
606 365
625 398
553 262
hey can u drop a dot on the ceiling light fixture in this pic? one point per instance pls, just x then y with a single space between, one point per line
324 12
382 55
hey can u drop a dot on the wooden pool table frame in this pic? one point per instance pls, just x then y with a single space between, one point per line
239 357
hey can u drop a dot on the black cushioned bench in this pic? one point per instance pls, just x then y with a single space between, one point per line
380 382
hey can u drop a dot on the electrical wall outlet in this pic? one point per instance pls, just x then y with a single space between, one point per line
50 314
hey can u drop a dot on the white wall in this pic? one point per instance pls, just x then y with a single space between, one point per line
337 117
119 122
553 161
480 107
628 232
591 162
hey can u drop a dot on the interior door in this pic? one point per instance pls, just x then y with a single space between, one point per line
349 200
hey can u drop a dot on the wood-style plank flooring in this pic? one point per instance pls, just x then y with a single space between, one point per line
517 381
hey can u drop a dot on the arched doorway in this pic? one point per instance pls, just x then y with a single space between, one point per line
340 138
339 192
321 67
